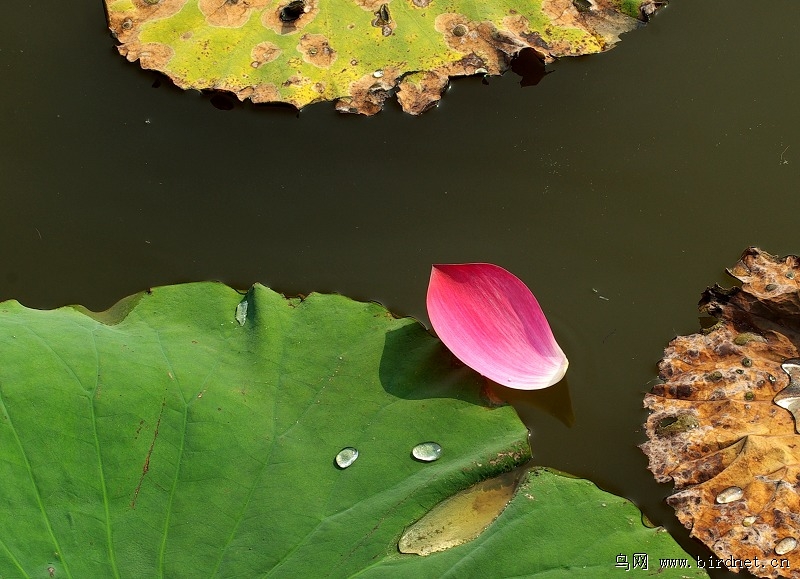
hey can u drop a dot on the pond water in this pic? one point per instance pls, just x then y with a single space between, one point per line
618 188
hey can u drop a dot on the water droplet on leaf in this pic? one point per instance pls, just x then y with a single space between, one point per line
241 312
785 545
729 495
346 457
427 451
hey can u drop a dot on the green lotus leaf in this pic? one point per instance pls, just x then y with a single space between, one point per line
356 52
192 430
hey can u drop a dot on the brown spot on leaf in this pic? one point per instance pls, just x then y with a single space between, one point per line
264 52
151 55
487 50
230 13
602 23
370 5
263 93
420 91
316 50
146 465
125 23
160 8
369 93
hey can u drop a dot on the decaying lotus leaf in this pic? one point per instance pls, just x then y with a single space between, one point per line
722 426
356 52
460 518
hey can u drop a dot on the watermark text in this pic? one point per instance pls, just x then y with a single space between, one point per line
643 561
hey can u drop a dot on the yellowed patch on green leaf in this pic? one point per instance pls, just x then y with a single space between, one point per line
460 518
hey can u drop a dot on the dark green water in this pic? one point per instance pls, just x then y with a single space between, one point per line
641 174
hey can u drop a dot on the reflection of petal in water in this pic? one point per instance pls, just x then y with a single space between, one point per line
555 401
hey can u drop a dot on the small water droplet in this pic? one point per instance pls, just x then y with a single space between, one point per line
241 312
785 545
770 286
749 395
346 457
378 74
789 274
427 451
747 521
747 362
729 495
772 379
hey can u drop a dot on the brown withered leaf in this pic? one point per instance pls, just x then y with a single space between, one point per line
721 425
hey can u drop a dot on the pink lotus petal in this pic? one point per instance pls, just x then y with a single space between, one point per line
492 322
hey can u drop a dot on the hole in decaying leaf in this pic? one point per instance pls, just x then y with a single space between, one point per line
292 11
664 422
529 66
671 425
462 517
